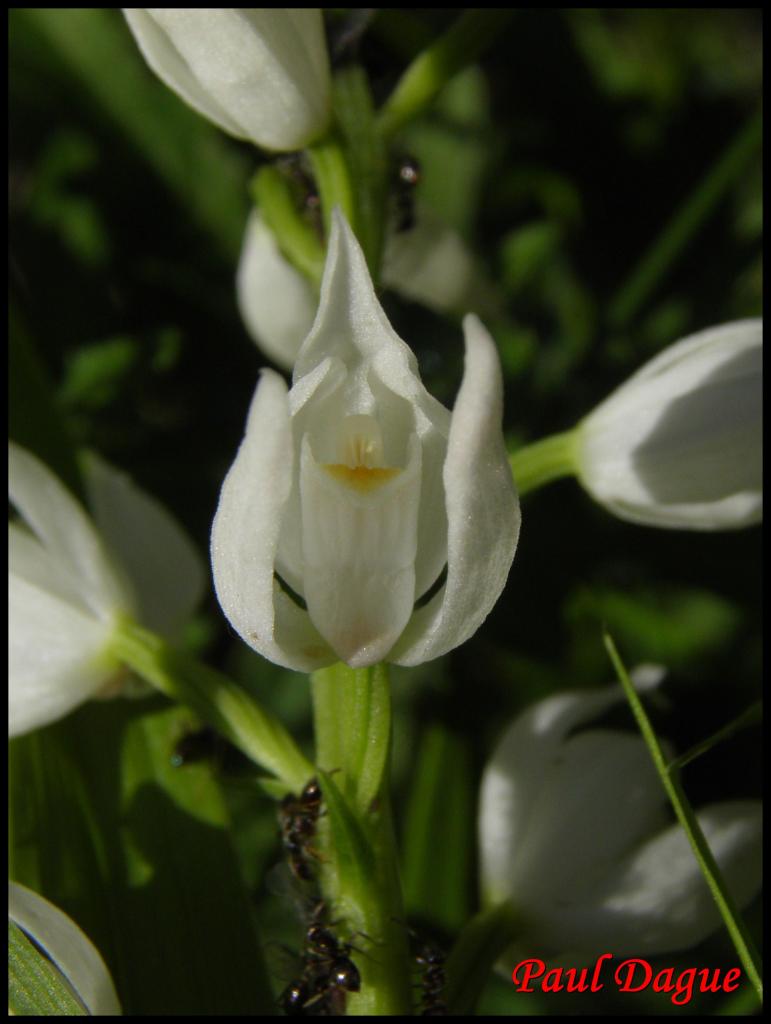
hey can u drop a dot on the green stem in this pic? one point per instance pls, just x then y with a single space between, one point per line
366 159
543 461
670 779
215 699
330 171
359 871
435 66
685 224
297 240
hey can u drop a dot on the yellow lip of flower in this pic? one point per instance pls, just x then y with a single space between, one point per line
363 479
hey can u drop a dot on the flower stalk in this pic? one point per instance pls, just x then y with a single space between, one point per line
546 460
359 872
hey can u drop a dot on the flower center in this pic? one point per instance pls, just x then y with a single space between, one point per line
360 448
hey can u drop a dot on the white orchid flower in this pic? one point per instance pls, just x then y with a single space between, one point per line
357 488
574 832
680 443
68 948
72 579
259 73
429 264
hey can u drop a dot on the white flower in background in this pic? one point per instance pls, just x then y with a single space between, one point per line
258 73
69 950
429 264
72 579
357 488
574 831
277 303
680 443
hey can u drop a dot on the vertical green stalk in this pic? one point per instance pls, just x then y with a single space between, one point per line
359 871
366 159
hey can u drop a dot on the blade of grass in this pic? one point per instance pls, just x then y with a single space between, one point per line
670 779
685 224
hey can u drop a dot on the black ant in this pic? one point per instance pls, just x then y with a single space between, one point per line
328 973
295 168
298 816
432 981
430 959
408 176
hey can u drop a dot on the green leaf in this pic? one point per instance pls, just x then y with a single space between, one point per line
35 987
439 832
138 853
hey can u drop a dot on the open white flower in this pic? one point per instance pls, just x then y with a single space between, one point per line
259 73
574 832
70 951
680 443
357 488
71 580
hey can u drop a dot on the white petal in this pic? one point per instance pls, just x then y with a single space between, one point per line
245 535
69 949
657 901
159 559
277 303
482 510
359 546
680 443
30 561
431 264
56 656
258 73
67 534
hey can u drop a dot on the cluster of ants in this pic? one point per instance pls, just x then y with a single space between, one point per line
328 973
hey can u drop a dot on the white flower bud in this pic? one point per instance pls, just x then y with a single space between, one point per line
258 73
680 443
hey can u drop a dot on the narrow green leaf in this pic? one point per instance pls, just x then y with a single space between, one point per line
670 779
35 987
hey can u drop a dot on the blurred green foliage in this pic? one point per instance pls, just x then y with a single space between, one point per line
562 158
